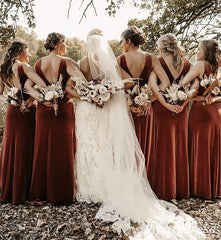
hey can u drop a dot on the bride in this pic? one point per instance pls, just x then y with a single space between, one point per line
110 166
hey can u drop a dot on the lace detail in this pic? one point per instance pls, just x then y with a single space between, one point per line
98 180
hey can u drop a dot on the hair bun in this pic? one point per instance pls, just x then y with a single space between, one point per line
52 40
136 37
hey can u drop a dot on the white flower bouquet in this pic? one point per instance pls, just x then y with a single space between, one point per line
211 85
15 97
51 94
176 95
138 98
98 91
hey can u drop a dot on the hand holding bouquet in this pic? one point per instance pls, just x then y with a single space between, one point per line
97 91
138 99
15 97
51 94
178 95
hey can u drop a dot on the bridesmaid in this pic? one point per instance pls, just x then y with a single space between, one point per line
168 169
18 140
204 128
53 166
139 64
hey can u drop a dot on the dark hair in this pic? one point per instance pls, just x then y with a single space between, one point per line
14 50
53 39
212 53
136 37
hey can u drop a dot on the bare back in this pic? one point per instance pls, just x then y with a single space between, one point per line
50 67
135 62
174 72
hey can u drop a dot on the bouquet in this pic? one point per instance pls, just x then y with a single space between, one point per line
97 91
51 94
211 85
176 95
138 98
15 97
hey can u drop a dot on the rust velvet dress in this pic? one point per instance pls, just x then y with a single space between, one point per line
204 147
143 124
53 166
17 151
168 169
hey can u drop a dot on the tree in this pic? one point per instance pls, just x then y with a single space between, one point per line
11 10
189 20
76 49
9 15
116 47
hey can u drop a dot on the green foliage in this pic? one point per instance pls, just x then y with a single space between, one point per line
116 47
189 20
76 49
10 11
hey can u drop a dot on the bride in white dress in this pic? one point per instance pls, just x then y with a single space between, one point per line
110 166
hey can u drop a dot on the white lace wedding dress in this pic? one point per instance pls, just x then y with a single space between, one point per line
110 169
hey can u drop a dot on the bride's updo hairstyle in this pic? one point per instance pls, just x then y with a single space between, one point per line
13 52
95 31
136 37
52 40
212 53
170 45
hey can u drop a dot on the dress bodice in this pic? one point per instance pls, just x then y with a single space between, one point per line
145 72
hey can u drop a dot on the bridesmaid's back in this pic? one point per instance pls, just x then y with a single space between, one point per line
50 67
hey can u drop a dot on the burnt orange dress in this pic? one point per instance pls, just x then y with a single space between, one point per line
168 169
53 166
143 124
17 151
205 147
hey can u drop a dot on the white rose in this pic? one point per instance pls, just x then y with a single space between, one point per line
181 95
138 100
216 91
204 82
191 92
173 96
102 90
105 97
14 91
12 102
49 95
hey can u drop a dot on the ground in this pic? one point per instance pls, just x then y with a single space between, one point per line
27 222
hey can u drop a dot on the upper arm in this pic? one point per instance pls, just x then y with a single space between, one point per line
195 71
159 71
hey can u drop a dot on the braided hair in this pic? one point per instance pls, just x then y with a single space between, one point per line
170 45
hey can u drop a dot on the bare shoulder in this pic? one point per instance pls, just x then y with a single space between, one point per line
25 65
70 61
119 58
84 65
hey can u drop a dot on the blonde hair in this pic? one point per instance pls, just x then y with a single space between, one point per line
170 45
95 31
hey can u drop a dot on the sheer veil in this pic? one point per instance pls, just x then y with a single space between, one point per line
128 196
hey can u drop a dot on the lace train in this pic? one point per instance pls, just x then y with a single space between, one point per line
126 197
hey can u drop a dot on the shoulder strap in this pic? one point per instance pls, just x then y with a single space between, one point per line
40 73
147 68
123 64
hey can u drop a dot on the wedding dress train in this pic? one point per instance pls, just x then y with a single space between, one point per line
110 166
